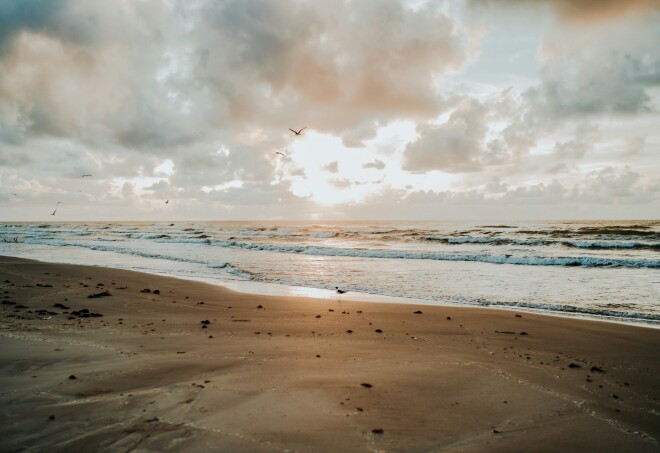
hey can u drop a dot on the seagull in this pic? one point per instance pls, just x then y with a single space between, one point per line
298 133
167 201
86 176
339 291
281 153
58 203
14 194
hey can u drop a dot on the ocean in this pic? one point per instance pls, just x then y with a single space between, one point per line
603 270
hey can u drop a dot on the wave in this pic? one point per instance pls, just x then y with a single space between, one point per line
596 245
586 261
234 270
487 240
322 234
613 231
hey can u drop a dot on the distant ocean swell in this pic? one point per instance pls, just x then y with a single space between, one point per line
586 261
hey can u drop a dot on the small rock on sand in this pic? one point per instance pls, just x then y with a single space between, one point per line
377 431
418 312
366 385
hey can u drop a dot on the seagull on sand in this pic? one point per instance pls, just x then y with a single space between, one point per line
298 132
86 176
339 291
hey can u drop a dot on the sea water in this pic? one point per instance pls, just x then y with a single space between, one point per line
604 270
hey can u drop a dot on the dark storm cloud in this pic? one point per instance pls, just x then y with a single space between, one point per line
17 15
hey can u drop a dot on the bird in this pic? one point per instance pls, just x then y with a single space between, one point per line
281 153
86 176
298 132
14 194
167 201
58 203
54 212
339 291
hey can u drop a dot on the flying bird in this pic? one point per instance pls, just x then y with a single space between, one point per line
58 203
86 176
167 201
280 153
14 194
298 132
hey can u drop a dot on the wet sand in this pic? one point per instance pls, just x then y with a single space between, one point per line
195 367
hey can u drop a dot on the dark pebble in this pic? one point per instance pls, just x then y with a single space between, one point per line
72 377
448 318
418 312
366 385
349 331
379 331
206 321
574 365
596 369
146 290
156 291
377 431
105 293
260 306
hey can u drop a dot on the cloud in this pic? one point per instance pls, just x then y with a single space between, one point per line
634 145
597 10
16 15
577 10
453 146
377 164
332 167
340 183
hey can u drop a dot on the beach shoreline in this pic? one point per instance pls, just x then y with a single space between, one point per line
278 373
258 288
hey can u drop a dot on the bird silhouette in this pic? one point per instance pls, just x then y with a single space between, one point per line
56 205
339 291
167 201
86 176
298 132
280 153
14 194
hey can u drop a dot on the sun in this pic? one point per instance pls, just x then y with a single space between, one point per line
333 173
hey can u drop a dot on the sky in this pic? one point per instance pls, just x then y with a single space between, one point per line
412 109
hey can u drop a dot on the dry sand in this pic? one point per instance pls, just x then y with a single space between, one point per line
288 376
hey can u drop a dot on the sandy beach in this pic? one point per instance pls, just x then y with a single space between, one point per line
152 363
